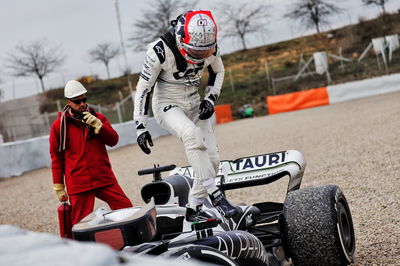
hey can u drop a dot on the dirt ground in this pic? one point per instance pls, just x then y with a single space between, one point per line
355 145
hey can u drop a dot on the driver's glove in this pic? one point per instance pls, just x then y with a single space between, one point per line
206 109
60 191
144 137
92 121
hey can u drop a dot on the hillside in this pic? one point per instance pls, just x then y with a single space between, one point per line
248 72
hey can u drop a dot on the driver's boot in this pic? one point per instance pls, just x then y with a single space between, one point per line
197 215
222 204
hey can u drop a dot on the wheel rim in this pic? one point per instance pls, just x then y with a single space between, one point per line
346 229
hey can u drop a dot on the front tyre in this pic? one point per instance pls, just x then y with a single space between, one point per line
318 228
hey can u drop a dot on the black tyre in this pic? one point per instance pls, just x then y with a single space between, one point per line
318 228
201 253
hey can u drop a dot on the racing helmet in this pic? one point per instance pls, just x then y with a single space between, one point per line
196 35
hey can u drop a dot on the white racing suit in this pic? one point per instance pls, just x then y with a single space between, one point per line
175 105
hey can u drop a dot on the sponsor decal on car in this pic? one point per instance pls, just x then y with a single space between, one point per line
259 161
247 168
247 246
255 169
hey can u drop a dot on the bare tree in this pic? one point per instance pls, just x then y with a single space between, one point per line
379 3
103 53
156 21
240 21
314 13
34 59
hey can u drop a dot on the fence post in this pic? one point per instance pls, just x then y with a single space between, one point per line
273 87
119 112
46 117
121 103
231 80
59 106
9 135
8 129
13 135
269 79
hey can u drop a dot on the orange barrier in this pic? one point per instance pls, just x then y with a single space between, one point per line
297 100
223 113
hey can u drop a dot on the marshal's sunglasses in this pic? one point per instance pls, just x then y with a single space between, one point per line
78 101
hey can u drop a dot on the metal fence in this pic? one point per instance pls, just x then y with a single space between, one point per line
27 122
121 112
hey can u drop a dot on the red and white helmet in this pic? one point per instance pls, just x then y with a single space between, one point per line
196 35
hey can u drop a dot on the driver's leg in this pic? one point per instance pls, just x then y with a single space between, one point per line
177 123
217 198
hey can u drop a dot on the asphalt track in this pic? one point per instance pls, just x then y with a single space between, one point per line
355 145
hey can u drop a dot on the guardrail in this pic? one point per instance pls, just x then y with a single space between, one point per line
20 156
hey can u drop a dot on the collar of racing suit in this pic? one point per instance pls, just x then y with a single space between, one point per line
169 39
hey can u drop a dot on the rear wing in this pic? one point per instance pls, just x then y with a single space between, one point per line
256 170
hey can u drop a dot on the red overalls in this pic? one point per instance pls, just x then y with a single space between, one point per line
85 166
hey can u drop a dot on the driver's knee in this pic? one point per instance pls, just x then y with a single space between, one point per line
215 159
193 138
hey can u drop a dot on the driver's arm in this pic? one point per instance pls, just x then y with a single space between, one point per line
148 77
216 72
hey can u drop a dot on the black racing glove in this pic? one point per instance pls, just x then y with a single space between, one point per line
143 138
206 110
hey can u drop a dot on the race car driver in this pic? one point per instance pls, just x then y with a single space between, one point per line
173 67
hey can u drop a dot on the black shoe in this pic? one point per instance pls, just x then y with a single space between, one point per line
197 215
222 204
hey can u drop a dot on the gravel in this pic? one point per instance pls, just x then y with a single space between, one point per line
355 145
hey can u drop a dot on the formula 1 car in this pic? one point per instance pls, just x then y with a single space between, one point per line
313 226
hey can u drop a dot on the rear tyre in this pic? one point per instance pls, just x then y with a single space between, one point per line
201 253
318 228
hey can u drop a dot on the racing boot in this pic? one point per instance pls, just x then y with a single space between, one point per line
197 215
222 204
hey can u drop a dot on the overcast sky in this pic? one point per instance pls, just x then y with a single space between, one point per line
76 26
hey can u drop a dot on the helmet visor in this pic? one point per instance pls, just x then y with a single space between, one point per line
200 54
